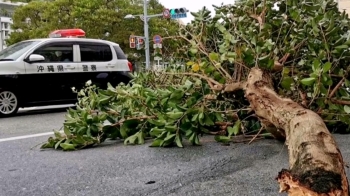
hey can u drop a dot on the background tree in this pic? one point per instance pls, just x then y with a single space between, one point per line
95 17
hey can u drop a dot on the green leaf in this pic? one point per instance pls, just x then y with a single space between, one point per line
174 115
79 140
308 81
123 131
194 117
178 141
58 143
67 147
156 143
88 132
208 121
193 51
223 139
315 65
177 94
342 47
188 84
140 138
287 82
181 109
170 137
158 123
214 56
218 117
189 63
155 132
104 99
192 138
327 66
170 128
347 109
235 129
131 140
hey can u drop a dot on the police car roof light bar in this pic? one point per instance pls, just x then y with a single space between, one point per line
67 33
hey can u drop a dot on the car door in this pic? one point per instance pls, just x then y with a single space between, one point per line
96 63
53 79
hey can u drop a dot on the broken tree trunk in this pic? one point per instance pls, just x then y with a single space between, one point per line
316 164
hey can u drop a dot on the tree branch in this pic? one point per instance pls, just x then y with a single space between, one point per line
279 64
134 118
215 85
341 102
234 86
336 88
202 76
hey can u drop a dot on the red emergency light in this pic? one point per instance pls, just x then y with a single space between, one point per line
67 33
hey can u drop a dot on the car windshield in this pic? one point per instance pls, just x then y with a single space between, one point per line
14 51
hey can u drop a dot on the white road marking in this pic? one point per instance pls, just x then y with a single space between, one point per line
38 134
26 136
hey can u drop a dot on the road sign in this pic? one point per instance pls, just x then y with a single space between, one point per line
166 13
157 39
157 58
157 45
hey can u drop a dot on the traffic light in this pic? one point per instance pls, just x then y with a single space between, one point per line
178 13
139 43
140 40
132 42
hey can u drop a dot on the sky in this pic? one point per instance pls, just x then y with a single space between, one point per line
193 5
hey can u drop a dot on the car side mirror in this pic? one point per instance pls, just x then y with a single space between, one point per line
35 58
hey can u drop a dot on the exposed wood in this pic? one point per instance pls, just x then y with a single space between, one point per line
316 164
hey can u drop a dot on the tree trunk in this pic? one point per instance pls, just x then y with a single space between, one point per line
316 164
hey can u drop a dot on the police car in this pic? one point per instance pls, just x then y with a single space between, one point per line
41 72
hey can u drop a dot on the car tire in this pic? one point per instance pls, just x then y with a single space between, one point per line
9 103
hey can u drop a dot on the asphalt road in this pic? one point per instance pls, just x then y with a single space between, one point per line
117 170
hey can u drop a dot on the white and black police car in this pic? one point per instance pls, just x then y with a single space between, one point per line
42 72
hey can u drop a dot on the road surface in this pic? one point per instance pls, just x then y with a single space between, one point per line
117 170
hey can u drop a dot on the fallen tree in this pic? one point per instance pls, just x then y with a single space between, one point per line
250 67
316 164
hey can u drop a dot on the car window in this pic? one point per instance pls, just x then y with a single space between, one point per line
120 53
91 52
14 51
56 52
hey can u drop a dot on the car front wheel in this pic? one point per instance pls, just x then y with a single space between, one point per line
8 103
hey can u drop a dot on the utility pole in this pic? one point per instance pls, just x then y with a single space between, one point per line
1 36
145 26
175 13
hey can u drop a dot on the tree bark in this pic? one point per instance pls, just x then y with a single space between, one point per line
316 164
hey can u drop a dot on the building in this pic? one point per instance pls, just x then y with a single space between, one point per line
7 9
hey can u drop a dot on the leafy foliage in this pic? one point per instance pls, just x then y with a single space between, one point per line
304 44
167 112
38 18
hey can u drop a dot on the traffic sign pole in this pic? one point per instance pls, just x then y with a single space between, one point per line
145 27
157 39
